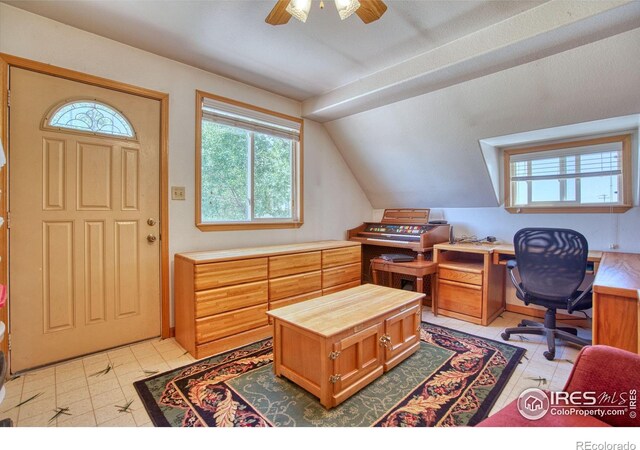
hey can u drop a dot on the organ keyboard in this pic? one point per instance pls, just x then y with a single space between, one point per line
402 228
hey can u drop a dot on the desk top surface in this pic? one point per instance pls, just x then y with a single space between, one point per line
618 274
330 314
505 249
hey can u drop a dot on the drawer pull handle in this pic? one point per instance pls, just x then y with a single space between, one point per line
334 355
385 341
333 379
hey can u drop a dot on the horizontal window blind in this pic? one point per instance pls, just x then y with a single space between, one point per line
249 119
579 162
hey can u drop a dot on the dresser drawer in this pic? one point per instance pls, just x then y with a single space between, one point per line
220 274
281 266
340 275
460 276
294 285
216 301
292 300
341 287
340 256
460 297
226 324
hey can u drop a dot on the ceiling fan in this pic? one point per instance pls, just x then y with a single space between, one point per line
368 10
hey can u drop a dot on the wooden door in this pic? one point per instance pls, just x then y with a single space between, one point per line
403 333
83 275
356 360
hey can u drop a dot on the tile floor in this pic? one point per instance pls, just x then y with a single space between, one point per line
94 398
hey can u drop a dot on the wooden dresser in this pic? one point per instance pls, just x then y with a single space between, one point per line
221 297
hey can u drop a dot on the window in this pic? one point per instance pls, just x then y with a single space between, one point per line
90 116
248 168
580 176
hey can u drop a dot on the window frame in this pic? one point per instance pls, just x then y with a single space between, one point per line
46 125
297 184
626 201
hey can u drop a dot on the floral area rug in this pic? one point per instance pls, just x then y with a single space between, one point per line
452 380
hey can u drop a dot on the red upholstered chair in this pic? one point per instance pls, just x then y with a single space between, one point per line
599 369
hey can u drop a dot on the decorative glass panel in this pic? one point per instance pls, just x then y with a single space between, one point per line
92 117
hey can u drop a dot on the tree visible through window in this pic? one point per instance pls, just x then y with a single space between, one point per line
249 168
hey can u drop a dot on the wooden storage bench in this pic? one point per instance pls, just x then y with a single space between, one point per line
221 297
335 345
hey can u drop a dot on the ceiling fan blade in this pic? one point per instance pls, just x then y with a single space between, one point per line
279 14
371 10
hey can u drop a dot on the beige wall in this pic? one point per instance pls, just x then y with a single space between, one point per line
333 199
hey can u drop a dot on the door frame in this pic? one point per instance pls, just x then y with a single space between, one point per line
7 61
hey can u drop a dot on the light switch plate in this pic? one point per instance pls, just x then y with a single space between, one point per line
177 193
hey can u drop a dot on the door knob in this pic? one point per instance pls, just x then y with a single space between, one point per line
151 238
151 221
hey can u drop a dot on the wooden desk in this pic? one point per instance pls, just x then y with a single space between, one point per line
616 304
469 286
335 345
418 269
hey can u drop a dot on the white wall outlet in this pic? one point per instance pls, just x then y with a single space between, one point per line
177 193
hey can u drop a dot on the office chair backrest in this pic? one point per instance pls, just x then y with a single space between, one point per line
551 261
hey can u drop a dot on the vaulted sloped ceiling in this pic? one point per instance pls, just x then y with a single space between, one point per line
424 152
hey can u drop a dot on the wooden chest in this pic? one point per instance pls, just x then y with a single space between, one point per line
335 345
221 297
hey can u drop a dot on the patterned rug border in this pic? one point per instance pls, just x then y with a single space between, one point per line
502 381
159 420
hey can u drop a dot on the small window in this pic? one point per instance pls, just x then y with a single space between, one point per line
90 116
249 171
579 176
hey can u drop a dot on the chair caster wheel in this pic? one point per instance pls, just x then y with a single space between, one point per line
549 355
505 336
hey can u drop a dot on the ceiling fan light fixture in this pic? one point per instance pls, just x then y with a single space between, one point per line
299 9
346 7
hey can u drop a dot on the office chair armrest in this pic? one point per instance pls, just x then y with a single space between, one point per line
511 265
572 303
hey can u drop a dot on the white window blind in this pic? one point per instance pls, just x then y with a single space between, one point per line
578 162
249 119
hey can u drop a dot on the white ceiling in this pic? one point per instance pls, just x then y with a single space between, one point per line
297 60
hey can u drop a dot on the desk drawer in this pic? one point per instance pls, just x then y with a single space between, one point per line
294 285
216 301
460 297
460 276
220 274
226 324
340 256
340 275
281 266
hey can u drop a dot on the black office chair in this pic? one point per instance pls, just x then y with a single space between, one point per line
551 263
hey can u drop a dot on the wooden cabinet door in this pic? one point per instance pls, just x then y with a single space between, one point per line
402 333
357 359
